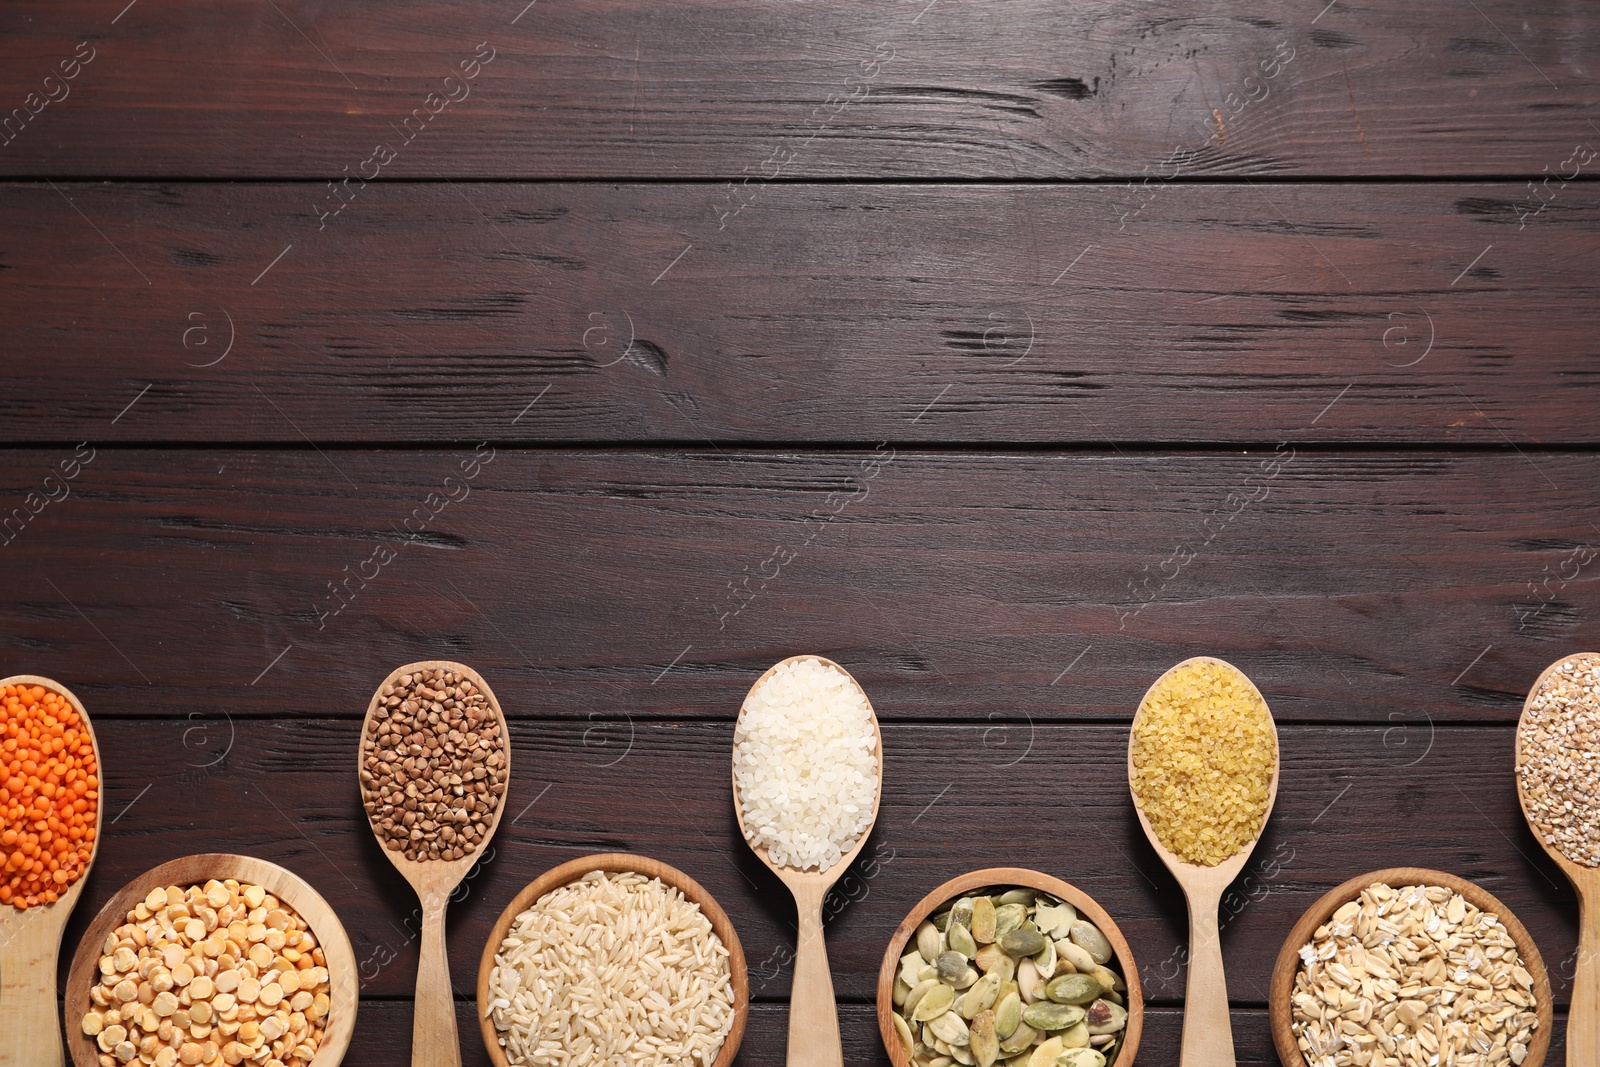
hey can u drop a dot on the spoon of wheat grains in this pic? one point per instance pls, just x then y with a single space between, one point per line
30 937
807 777
1558 786
434 765
1202 717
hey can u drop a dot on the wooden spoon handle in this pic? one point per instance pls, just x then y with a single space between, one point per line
1583 1021
1207 1030
30 1028
813 1016
434 1042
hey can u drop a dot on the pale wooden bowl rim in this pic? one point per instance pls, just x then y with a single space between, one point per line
1288 964
614 862
343 980
1025 878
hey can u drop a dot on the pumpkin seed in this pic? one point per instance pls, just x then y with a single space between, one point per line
1023 941
961 912
989 957
1076 1036
1080 1057
1108 979
952 1029
951 965
1018 896
963 1055
901 991
1021 1039
941 921
1074 954
1048 1015
1105 1018
903 1031
960 940
1045 960
1055 921
913 998
1008 917
967 980
1029 982
1007 1015
983 920
984 992
981 1039
1073 989
1093 941
1045 1055
934 1003
930 942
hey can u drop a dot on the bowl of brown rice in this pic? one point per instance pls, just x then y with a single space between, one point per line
613 959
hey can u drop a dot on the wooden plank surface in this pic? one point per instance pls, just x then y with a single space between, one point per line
838 313
1350 800
1405 587
833 89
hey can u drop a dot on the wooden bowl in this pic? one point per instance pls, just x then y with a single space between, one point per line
1288 966
614 863
195 870
1017 876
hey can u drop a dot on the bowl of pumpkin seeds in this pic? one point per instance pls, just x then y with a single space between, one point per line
1007 966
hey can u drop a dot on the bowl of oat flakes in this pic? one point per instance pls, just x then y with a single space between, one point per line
1405 965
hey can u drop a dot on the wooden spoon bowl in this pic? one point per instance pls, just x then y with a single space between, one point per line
30 939
813 1014
1207 1025
434 1039
196 870
1281 992
1583 1017
956 888
616 863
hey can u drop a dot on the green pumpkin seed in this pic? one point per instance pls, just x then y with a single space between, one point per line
949 1028
1105 1018
981 1040
1088 935
934 1003
930 942
951 965
1020 1040
1008 917
1073 989
941 921
1075 1036
1007 1015
1048 1015
913 998
1022 941
960 940
1081 1057
961 912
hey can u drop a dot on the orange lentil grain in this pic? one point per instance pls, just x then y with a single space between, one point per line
49 795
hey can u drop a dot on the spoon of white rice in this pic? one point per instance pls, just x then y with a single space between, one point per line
807 777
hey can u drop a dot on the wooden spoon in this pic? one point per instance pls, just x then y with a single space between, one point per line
434 1042
1207 1030
1583 1017
813 1017
30 940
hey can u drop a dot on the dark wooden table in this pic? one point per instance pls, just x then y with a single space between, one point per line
1006 354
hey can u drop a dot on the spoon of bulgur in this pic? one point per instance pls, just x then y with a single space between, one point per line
1558 786
1203 769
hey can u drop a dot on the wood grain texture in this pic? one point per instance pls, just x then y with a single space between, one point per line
385 1022
1346 801
610 89
434 1041
959 886
930 313
1287 968
196 870
618 862
1406 589
30 938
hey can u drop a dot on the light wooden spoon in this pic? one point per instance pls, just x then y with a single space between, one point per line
30 940
434 1042
1583 1017
1207 1030
813 1016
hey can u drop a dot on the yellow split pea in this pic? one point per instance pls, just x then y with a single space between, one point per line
1203 755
